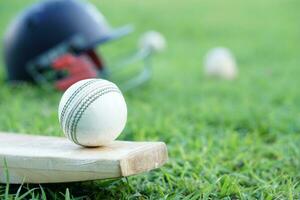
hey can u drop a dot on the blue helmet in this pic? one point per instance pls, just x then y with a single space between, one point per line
53 28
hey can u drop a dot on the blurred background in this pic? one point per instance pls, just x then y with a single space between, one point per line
227 138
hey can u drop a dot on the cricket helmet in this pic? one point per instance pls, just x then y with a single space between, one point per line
54 41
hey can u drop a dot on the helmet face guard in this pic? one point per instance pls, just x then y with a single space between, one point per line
69 62
53 42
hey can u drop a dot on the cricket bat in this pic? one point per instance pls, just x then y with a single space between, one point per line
44 159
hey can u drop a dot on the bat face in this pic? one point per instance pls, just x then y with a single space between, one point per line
42 159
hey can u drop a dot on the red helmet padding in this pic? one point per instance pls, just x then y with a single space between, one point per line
96 59
78 68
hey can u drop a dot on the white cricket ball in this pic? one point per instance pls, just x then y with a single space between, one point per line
92 112
153 40
220 62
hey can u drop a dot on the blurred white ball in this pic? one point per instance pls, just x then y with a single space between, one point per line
153 40
220 62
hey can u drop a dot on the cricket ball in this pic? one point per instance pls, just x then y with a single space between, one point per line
220 62
153 40
92 112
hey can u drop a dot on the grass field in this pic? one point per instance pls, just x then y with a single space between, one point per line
227 139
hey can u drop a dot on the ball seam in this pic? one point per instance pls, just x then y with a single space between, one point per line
81 101
75 116
77 91
91 88
86 104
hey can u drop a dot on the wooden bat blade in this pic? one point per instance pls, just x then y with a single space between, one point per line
44 159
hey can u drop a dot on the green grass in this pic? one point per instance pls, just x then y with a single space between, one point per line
227 140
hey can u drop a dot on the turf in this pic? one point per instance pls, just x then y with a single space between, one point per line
227 139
